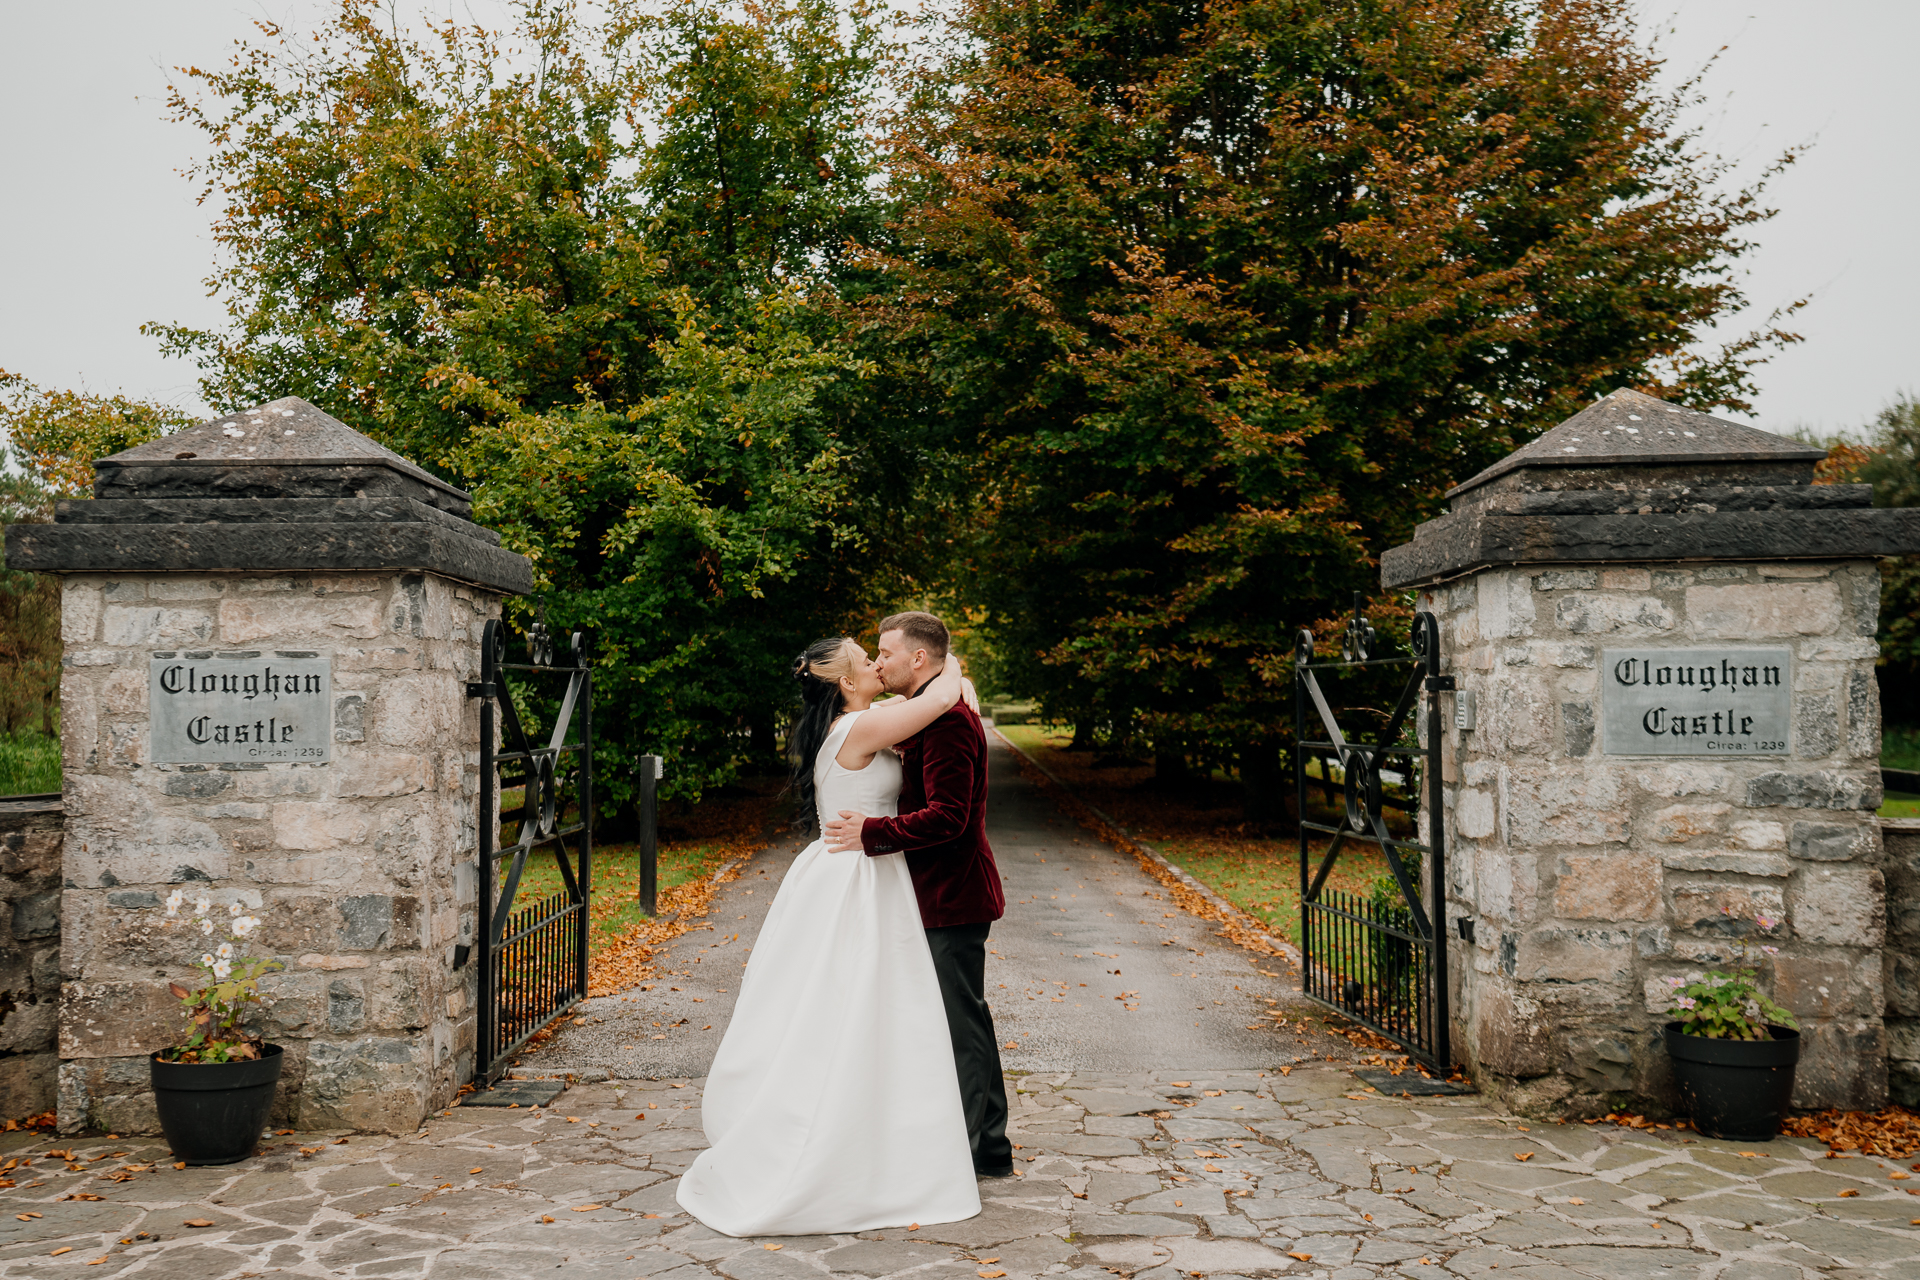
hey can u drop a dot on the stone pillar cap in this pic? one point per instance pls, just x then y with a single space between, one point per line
1627 428
283 487
283 448
1632 479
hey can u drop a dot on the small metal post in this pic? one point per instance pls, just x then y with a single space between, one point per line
652 769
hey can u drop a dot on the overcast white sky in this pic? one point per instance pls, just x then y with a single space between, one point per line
98 232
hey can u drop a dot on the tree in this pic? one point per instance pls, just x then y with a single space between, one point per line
577 270
1222 297
52 437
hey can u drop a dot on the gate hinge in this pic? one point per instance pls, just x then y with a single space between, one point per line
480 689
1439 684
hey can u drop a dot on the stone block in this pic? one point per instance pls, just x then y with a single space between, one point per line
1626 579
311 825
28 1027
124 692
1508 1034
1505 605
1843 1063
81 602
1819 789
1816 726
1575 955
380 1084
199 783
1689 779
1613 615
1608 886
300 618
1863 714
1747 610
36 915
28 1083
1576 728
1840 906
1473 815
1831 841
379 776
171 588
1602 1061
1727 860
1727 909
1827 986
1680 823
1508 884
139 626
400 994
1567 580
1759 835
346 1007
1866 601
117 1019
349 718
1565 807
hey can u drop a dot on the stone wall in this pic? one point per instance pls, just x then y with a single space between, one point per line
361 868
1902 839
29 953
1593 879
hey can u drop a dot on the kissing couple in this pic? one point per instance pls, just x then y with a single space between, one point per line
858 1085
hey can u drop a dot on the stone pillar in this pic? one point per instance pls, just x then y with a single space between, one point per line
269 624
1663 637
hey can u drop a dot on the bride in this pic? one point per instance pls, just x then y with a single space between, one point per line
833 1105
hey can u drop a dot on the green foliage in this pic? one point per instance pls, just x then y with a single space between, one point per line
1726 1006
579 269
1889 460
55 435
29 763
229 984
1220 299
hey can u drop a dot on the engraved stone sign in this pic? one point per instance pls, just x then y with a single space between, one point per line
1718 701
240 708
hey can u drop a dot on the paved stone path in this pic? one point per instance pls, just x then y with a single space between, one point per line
1217 1174
1093 967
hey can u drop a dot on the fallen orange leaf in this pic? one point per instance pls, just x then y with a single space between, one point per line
546 1217
473 1171
772 1247
197 1222
1523 1155
587 1208
1304 1257
62 1249
1849 1192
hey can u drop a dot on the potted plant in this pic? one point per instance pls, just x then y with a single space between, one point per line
214 1089
1734 1051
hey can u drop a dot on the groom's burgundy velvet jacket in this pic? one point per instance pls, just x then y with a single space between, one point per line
942 826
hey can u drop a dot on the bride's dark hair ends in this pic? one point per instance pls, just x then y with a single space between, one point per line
818 673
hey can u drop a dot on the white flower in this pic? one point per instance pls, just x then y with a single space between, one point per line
174 900
233 908
207 958
221 968
245 925
206 926
202 907
226 951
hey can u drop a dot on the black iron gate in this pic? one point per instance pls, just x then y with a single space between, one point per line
1379 958
532 955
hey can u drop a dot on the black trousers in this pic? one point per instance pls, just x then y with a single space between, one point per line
960 958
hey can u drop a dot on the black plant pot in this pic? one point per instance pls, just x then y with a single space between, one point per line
214 1112
1735 1089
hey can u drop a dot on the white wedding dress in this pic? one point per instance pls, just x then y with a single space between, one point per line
833 1104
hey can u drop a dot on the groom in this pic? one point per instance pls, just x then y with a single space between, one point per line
942 828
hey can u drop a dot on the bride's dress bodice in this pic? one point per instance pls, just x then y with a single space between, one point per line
874 790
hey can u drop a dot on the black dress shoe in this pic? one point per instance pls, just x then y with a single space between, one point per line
1004 1171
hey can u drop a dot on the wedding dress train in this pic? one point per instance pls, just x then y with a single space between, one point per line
833 1104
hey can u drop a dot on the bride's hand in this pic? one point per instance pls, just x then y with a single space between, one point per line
842 833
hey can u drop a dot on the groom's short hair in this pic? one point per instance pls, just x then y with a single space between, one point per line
922 630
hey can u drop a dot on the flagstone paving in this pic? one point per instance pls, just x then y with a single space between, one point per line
1161 1176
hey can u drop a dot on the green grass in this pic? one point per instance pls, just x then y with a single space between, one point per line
1900 747
616 882
29 763
1900 804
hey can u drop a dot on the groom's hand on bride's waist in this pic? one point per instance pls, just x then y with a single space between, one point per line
842 833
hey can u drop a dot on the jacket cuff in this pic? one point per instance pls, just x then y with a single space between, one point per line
871 841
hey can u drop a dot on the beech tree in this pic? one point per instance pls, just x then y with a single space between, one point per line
1219 298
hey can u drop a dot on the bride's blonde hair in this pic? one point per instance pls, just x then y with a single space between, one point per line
819 671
